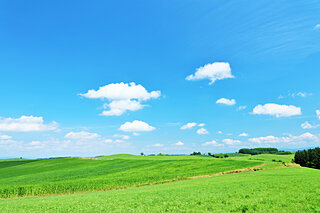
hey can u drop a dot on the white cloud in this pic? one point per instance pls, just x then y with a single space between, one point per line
35 143
3 143
201 125
202 131
295 94
26 124
82 135
179 143
122 97
117 141
118 107
212 143
220 132
267 139
307 125
136 126
230 141
303 94
318 114
188 126
317 26
5 137
243 134
108 140
213 72
226 101
157 145
123 137
242 107
277 110
289 139
135 134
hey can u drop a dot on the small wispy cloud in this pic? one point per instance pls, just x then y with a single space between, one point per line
307 125
242 107
317 27
295 94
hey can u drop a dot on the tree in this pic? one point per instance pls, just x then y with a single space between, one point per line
141 154
308 158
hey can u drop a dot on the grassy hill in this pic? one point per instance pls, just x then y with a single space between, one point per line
278 187
20 178
293 189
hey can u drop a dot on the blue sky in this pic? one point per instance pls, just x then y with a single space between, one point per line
135 58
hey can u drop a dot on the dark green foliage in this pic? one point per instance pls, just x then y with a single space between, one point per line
257 151
308 158
226 155
196 153
284 153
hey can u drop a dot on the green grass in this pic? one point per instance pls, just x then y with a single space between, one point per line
293 189
20 178
269 157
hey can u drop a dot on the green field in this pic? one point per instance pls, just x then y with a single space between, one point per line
277 188
20 178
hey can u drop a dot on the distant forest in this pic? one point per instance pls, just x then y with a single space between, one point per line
308 158
258 151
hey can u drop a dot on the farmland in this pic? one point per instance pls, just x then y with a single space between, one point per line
20 178
277 187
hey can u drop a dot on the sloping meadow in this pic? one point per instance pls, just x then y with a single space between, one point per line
20 178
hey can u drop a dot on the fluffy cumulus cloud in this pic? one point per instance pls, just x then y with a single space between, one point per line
188 125
179 143
318 114
226 101
277 110
118 107
213 72
307 125
230 141
243 134
136 126
82 135
212 143
202 131
26 124
122 97
191 125
287 139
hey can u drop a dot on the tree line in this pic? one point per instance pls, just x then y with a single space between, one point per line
308 158
258 151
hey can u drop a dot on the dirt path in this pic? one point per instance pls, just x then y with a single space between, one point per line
249 169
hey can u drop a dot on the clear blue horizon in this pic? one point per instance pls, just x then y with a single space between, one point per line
86 79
